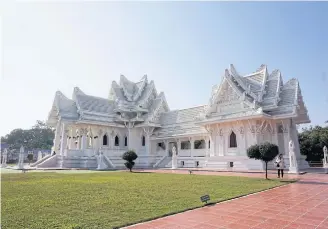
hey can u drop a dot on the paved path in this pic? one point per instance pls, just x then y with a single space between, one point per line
301 205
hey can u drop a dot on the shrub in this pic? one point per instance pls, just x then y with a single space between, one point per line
129 156
265 152
30 157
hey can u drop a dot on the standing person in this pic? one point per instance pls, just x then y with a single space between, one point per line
280 164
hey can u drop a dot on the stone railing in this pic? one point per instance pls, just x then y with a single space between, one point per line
160 153
80 153
113 152
192 153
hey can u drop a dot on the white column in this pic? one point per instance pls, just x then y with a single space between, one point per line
294 136
167 150
252 132
178 146
90 139
129 137
286 141
78 139
192 145
112 141
63 141
275 133
241 144
67 140
174 158
221 144
100 138
245 137
83 139
286 136
207 150
72 140
148 145
57 137
212 145
148 131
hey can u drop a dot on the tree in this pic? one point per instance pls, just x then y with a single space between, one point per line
40 136
30 157
312 140
265 152
129 157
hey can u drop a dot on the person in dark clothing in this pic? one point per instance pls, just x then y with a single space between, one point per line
280 164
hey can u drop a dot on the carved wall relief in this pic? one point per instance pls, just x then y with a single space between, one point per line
269 128
241 130
252 129
220 132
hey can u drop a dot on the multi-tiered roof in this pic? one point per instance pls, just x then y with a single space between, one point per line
136 102
236 97
260 93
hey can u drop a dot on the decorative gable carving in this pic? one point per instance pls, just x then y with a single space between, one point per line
227 94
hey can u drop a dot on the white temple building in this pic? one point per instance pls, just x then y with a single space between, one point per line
242 111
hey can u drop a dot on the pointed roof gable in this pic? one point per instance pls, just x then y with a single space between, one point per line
259 75
62 107
265 91
92 104
132 91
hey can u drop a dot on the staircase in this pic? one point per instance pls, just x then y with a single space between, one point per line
141 162
76 162
109 163
40 161
49 162
90 162
164 162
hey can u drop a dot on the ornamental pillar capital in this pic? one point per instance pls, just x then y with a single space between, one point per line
83 131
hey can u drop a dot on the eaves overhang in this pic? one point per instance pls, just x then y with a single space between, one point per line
178 136
218 120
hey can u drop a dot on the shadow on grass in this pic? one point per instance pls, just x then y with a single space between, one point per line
288 181
209 204
139 172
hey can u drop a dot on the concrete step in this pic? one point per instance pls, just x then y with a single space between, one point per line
217 164
76 162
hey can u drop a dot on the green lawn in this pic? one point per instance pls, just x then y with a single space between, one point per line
109 199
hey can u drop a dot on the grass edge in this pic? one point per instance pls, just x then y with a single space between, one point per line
284 183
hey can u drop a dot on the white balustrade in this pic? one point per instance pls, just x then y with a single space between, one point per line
198 153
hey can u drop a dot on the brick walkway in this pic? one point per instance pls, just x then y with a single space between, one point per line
301 205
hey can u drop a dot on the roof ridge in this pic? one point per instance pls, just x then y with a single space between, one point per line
184 109
80 92
262 68
61 95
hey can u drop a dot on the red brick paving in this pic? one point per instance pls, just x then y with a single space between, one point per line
300 205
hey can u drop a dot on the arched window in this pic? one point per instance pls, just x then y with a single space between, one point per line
233 140
117 141
209 143
126 141
143 140
105 140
